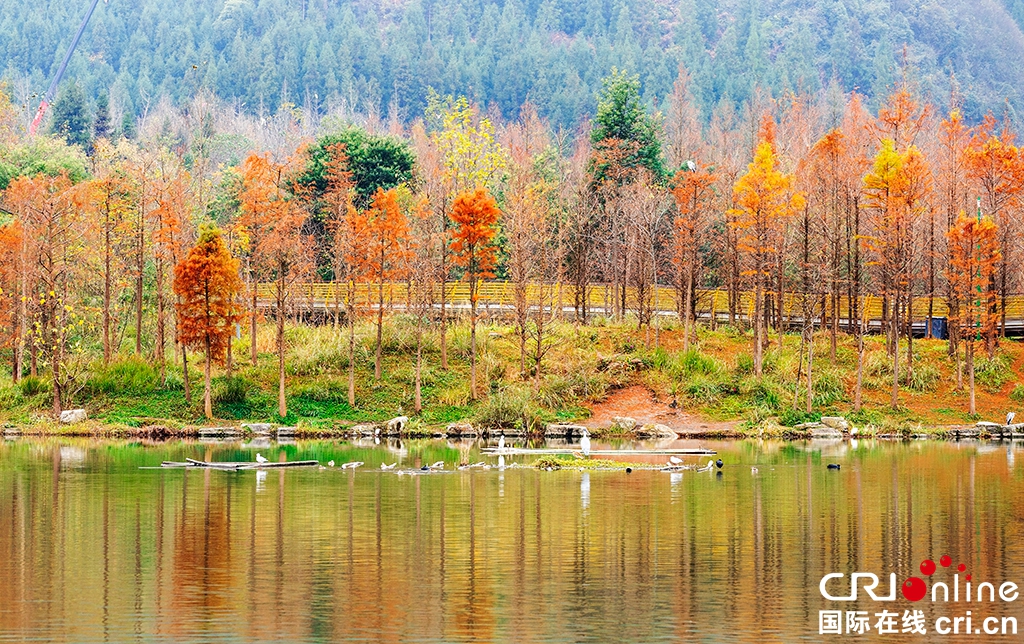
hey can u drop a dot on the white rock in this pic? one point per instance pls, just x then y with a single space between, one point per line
836 422
398 424
625 423
72 416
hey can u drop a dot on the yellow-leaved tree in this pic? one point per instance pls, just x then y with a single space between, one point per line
764 201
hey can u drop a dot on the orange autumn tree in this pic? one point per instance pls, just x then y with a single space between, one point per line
694 192
951 199
765 200
974 252
384 230
10 267
52 214
259 205
339 198
207 284
475 215
994 164
894 198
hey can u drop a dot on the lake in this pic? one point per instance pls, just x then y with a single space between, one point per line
94 547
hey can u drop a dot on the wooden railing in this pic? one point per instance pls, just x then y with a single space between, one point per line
494 294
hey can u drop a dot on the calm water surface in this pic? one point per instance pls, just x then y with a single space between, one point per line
93 548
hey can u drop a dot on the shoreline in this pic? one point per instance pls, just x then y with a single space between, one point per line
97 429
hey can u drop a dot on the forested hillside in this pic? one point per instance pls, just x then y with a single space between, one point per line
378 55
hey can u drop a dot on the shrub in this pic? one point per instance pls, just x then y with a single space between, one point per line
790 417
828 389
455 395
765 396
10 395
1018 393
323 390
233 390
694 362
993 374
924 378
744 363
704 391
559 390
508 408
33 386
126 376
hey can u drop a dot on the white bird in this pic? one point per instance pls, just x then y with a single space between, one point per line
501 442
1009 418
351 466
585 443
691 166
675 460
388 467
437 466
260 458
330 463
753 470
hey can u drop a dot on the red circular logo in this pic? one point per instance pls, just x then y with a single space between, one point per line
945 560
914 589
927 567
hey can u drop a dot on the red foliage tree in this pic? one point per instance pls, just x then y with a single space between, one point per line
207 285
475 215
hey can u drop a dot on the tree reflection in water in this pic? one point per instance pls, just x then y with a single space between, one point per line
93 547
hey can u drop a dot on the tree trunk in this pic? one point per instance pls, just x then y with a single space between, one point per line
184 375
472 336
161 328
377 372
418 400
207 402
688 308
538 353
55 366
758 323
858 391
351 350
252 325
282 404
910 337
229 358
140 268
895 334
970 374
810 370
106 289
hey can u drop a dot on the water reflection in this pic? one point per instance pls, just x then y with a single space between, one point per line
91 547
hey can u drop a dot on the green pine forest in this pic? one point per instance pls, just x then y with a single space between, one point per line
380 58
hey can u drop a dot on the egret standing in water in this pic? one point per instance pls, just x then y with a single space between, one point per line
260 458
585 443
501 443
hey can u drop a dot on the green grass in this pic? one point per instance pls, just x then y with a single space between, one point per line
713 380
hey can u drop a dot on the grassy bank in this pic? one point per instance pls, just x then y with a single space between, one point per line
713 381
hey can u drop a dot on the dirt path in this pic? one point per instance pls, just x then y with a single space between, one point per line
639 403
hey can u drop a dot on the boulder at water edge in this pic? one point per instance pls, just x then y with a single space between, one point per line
72 416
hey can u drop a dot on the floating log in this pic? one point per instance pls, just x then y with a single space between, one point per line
226 465
518 451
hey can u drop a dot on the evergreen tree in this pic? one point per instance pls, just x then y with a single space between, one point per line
621 117
70 118
101 127
128 125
